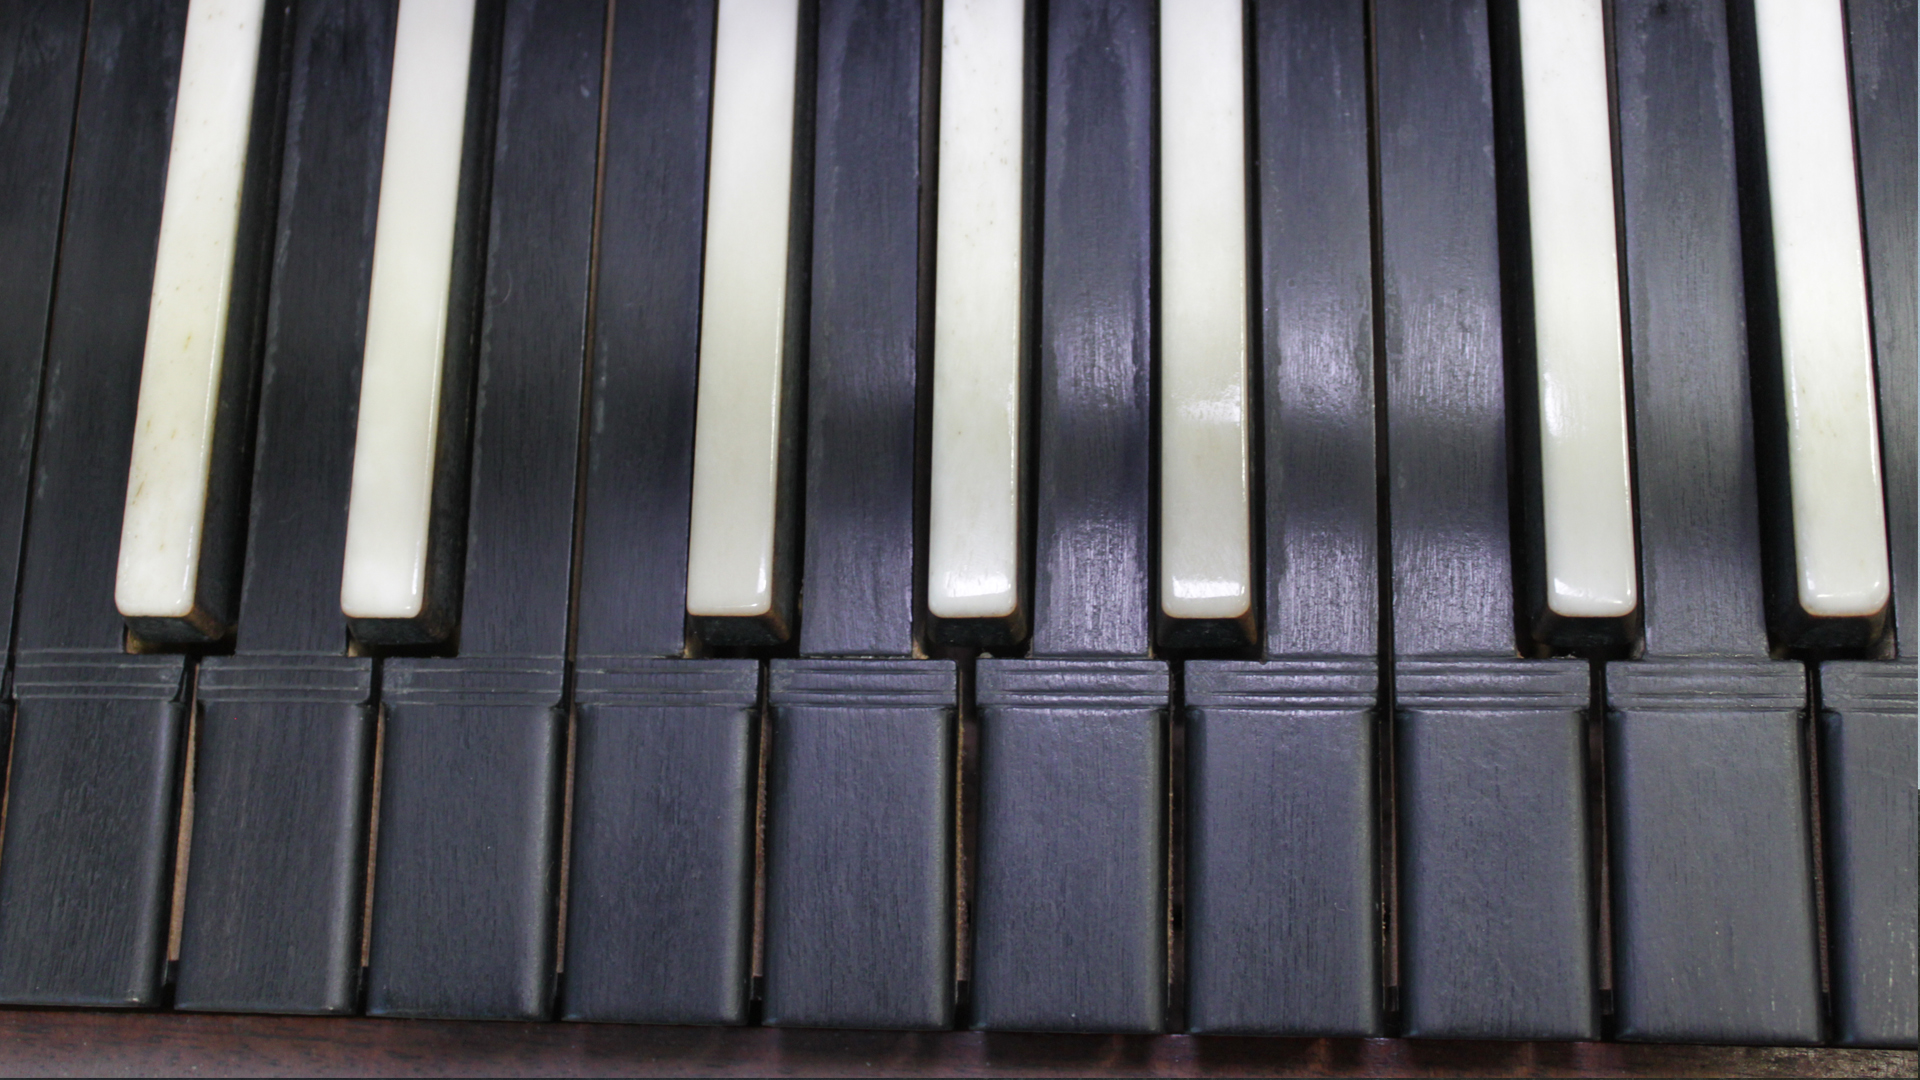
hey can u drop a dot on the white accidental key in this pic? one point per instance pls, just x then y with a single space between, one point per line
973 549
391 502
1833 450
1586 493
161 533
1206 564
743 311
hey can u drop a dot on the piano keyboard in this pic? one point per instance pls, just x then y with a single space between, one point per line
1304 517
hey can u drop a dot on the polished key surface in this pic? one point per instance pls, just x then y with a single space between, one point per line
98 734
975 567
1811 293
661 867
1283 925
196 375
1580 392
1069 910
413 329
284 743
41 45
739 541
466 873
1206 557
1705 735
1483 950
863 769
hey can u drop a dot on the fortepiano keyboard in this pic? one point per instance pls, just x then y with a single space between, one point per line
1305 517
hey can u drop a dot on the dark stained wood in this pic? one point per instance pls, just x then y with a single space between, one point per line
1883 41
526 414
98 334
1495 908
1316 281
467 862
1693 412
1713 902
1870 837
283 765
88 851
1069 914
1867 740
87 861
1497 904
1283 912
1440 290
465 904
1695 787
1283 925
661 888
661 882
316 328
860 776
282 774
639 459
96 1044
40 51
869 356
859 839
1092 418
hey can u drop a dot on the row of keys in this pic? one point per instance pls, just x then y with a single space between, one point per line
838 281
975 567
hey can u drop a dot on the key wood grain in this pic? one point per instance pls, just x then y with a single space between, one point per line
1867 742
1467 710
1883 41
40 53
869 357
1283 925
87 861
859 840
1073 742
467 871
283 766
676 948
1694 786
1092 426
1869 838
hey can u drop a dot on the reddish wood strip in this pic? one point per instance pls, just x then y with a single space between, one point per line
35 1043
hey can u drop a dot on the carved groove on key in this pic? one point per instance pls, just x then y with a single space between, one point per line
1333 682
292 677
1072 684
74 673
896 684
1470 683
1868 686
666 683
1696 685
474 681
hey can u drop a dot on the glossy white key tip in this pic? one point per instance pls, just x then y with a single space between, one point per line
1206 566
161 532
390 507
743 317
1833 450
1586 490
973 547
